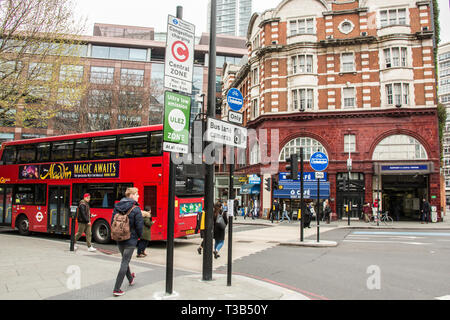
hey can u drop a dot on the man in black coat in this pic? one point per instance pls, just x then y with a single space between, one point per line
127 247
84 222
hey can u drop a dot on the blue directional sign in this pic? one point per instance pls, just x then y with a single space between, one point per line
235 99
319 161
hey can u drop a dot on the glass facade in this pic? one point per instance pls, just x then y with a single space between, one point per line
233 16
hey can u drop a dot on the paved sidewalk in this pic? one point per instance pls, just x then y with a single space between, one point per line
33 268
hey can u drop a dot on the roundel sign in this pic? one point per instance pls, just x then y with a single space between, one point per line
235 99
180 51
319 161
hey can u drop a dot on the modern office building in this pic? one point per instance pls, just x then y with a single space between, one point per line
233 16
355 80
122 70
444 98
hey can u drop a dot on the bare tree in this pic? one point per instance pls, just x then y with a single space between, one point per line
40 58
107 105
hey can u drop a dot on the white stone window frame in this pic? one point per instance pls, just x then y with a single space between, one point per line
341 28
353 62
296 20
393 92
295 63
351 143
403 59
343 97
297 91
397 8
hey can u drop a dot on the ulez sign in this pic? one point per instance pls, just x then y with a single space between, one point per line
177 112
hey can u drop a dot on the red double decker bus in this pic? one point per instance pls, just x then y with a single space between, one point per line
40 179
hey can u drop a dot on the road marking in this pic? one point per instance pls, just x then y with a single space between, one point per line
443 298
386 241
386 236
433 234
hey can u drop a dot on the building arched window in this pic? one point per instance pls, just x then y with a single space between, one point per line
310 146
399 147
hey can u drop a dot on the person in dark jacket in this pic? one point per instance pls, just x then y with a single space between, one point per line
127 247
146 234
307 216
426 209
84 222
219 233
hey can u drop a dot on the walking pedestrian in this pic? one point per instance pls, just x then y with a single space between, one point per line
219 229
146 234
426 209
200 226
327 211
307 216
236 208
84 222
285 214
128 206
367 210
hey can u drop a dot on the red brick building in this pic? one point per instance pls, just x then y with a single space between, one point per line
352 79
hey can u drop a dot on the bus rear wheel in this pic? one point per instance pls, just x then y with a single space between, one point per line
101 232
24 226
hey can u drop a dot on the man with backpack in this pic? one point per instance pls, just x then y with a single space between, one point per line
126 228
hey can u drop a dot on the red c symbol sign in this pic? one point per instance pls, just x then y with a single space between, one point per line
180 51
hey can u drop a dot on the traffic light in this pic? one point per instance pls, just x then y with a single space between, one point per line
267 183
292 167
274 184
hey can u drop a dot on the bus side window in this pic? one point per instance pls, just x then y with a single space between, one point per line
62 150
9 155
156 144
81 149
26 153
43 152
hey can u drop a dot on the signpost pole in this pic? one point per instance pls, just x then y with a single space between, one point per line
171 211
318 209
302 211
209 181
230 222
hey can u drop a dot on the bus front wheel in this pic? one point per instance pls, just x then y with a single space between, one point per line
101 232
23 225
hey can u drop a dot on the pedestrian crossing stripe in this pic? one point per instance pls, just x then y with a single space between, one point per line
433 234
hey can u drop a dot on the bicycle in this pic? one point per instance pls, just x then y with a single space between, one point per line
385 218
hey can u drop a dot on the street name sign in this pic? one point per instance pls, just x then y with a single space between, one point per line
179 62
235 99
319 161
226 133
177 113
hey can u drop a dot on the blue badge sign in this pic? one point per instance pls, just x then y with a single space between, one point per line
235 99
319 161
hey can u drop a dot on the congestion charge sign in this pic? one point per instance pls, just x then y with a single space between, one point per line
179 62
177 112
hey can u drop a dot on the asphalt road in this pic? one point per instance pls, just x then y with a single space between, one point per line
366 265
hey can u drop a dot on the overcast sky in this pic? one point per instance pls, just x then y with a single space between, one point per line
153 13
